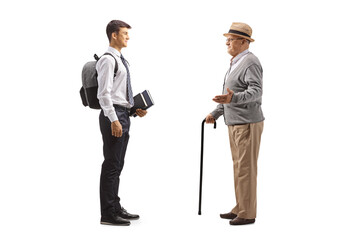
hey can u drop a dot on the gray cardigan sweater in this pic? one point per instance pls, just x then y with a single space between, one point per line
246 82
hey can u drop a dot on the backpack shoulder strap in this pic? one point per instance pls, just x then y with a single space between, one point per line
116 63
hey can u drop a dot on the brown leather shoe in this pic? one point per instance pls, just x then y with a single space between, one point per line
229 215
241 221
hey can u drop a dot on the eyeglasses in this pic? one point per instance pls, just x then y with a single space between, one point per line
232 39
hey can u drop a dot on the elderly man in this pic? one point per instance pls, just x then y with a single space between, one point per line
241 106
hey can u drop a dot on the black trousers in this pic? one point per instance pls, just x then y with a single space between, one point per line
114 153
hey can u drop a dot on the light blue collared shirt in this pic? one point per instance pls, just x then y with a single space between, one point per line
235 61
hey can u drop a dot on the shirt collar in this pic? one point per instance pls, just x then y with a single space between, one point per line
114 51
239 56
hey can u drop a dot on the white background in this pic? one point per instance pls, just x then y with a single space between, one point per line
51 148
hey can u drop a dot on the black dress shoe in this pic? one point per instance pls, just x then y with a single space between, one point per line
124 214
229 215
241 221
114 219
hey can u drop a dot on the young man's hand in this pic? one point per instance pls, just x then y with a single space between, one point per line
140 112
116 129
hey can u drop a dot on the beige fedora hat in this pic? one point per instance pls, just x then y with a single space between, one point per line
241 30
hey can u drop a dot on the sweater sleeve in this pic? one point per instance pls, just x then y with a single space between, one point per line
219 110
253 78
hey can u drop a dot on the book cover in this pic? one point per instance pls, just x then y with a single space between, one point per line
142 100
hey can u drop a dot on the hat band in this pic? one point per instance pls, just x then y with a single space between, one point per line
239 33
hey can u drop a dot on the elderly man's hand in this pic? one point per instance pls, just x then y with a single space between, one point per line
224 99
210 119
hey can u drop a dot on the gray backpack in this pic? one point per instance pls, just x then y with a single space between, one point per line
88 91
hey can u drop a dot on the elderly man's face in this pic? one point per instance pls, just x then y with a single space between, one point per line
235 45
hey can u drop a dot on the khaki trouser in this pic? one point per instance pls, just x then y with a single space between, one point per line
245 144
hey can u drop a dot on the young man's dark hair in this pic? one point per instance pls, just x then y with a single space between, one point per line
114 26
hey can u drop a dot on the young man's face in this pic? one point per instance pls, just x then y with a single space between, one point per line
122 37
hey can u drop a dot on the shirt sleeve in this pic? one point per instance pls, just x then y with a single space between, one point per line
105 69
253 77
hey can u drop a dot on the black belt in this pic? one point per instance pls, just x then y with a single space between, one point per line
122 108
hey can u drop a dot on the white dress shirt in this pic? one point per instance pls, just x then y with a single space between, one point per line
111 91
236 61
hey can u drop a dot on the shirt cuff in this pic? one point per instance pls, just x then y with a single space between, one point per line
113 117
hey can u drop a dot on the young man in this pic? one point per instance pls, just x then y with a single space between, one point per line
241 106
116 99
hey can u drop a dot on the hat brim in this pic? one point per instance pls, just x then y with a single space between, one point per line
234 34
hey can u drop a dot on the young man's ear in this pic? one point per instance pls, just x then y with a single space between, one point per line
114 35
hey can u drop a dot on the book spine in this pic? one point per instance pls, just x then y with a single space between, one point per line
148 97
143 100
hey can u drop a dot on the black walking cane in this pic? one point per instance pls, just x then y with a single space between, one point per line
201 161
